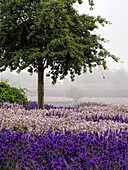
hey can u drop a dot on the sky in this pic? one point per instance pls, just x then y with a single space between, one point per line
115 11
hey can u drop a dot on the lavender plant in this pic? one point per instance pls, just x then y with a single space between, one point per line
106 150
89 137
90 119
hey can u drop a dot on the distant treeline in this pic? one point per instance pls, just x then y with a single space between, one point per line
115 84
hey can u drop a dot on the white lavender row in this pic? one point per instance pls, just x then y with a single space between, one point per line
90 119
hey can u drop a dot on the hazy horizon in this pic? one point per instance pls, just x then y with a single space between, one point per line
89 85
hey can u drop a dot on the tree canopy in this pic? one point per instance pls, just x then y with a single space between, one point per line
37 34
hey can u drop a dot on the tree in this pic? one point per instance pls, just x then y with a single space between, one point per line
37 34
75 92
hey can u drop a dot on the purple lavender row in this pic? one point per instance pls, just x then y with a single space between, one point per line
106 150
116 118
34 105
94 118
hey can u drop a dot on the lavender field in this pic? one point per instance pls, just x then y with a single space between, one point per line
54 138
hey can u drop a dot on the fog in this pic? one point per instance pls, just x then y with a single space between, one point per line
89 86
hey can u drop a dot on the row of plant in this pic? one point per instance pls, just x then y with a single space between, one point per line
67 151
105 100
54 138
90 119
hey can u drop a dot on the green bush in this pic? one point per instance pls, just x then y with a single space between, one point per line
12 94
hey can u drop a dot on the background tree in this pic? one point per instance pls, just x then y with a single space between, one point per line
37 34
75 92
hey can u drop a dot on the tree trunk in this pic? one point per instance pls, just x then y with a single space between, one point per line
40 87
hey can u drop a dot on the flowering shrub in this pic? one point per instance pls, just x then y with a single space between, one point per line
89 137
34 105
107 150
30 105
90 119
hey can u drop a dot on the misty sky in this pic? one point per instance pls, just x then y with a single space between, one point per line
115 11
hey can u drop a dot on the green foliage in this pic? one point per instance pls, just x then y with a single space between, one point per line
42 34
51 33
11 94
